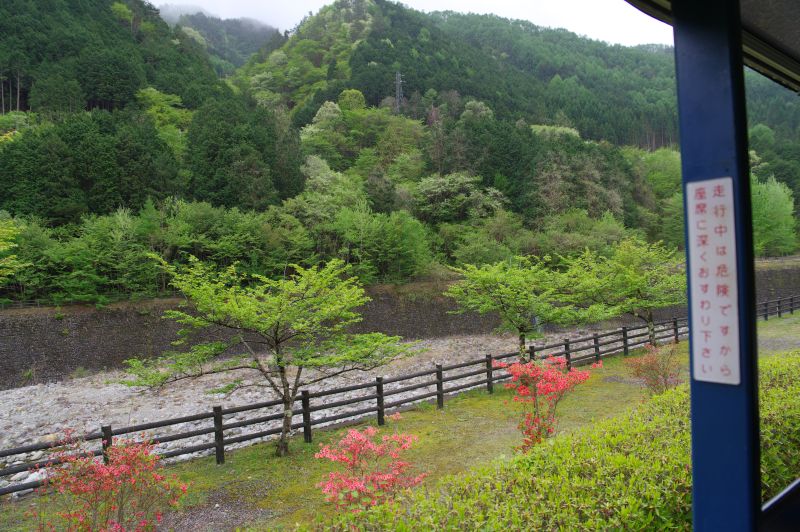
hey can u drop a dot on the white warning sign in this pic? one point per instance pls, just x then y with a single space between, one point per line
713 276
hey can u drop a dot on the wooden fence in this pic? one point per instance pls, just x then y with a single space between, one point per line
378 396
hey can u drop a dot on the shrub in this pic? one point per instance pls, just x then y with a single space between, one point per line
128 493
539 386
373 472
659 368
631 472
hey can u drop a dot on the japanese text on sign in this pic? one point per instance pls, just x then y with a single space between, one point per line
713 277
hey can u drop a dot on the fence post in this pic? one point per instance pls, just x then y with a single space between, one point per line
596 342
219 437
531 353
567 353
379 389
625 341
439 387
766 310
675 330
780 313
108 441
489 381
306 403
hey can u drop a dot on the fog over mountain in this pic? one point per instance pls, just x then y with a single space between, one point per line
172 12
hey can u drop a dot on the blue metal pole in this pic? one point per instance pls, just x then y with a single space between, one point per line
713 129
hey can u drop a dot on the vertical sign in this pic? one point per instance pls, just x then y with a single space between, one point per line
712 257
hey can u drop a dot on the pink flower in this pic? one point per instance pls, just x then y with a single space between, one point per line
124 494
373 471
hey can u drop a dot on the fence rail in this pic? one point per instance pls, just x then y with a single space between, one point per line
576 351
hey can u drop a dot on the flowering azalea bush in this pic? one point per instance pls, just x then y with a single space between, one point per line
126 494
659 368
373 469
539 386
397 416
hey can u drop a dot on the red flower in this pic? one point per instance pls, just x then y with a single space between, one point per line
373 471
126 494
540 386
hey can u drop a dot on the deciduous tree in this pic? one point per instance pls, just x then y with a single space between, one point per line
286 327
524 292
9 264
636 279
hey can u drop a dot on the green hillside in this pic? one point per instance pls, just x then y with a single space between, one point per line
509 139
230 42
62 56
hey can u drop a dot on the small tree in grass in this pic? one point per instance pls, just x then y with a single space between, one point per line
285 326
539 386
636 279
659 369
524 292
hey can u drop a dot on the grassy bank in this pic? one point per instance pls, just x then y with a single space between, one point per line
270 492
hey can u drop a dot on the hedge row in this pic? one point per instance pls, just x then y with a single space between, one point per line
631 472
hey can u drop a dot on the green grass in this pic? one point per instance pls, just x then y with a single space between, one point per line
778 263
473 429
778 335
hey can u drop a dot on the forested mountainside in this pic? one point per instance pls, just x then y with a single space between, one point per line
508 139
57 55
230 42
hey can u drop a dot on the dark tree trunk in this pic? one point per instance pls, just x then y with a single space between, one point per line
18 82
522 349
288 400
282 448
651 328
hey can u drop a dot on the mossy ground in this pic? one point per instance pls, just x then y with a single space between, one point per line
472 429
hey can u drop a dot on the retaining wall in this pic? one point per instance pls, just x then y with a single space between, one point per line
40 345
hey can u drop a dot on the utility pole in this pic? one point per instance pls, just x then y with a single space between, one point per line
398 91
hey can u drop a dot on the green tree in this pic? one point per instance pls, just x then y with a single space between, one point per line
55 93
286 327
671 227
109 77
454 197
171 119
352 100
774 224
636 279
123 13
9 263
574 231
385 248
524 292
